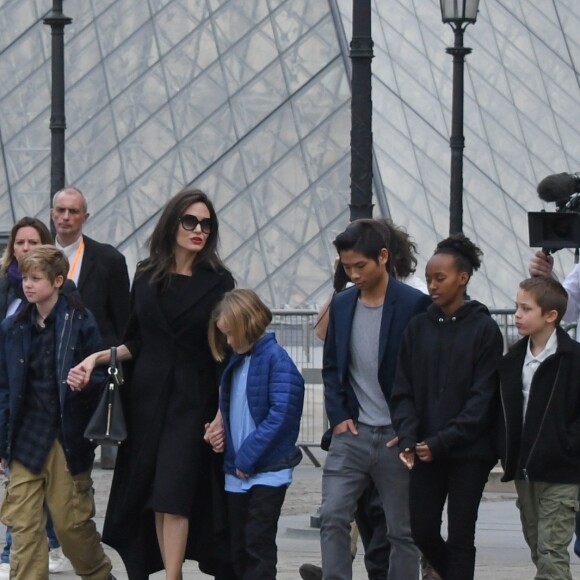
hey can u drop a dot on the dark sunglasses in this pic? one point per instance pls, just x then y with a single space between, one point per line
190 222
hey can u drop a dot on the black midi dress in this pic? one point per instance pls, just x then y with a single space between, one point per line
170 393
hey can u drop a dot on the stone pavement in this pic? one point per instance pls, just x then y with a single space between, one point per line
502 553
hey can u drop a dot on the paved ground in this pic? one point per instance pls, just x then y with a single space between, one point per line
502 553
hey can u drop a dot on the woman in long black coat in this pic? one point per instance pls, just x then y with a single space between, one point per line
167 501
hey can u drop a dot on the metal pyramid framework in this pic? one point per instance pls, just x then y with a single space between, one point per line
249 100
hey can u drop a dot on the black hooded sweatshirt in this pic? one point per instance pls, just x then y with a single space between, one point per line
446 386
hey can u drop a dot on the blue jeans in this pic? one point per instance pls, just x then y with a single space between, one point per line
53 542
352 462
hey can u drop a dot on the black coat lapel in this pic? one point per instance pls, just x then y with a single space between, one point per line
387 318
88 263
343 328
203 282
511 384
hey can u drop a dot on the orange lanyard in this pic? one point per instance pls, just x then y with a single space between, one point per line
75 264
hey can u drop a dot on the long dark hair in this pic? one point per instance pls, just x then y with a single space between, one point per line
402 261
162 241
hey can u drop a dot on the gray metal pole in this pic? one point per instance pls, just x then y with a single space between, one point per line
361 136
457 140
57 21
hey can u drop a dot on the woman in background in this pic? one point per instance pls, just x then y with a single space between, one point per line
26 234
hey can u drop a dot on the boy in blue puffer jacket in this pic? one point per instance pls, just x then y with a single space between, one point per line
261 399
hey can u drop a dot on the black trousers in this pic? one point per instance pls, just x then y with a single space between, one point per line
461 483
254 519
372 526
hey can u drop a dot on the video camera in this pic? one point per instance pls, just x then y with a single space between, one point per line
553 231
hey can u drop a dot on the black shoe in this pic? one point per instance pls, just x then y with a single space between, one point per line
310 572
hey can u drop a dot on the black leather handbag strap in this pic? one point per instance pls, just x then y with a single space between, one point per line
114 370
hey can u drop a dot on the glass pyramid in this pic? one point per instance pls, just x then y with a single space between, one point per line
249 100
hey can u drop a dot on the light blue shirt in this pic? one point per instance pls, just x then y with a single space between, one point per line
242 425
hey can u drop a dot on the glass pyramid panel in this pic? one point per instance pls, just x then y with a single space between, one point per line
250 101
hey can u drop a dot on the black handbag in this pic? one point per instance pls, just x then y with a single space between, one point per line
107 425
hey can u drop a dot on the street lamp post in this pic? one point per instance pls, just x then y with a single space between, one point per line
57 21
458 14
361 136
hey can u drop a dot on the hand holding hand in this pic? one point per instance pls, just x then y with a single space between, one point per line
79 376
215 434
216 437
423 452
241 474
408 457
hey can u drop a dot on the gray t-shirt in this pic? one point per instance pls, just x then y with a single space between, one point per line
363 367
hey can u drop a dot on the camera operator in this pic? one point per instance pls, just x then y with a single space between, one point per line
563 189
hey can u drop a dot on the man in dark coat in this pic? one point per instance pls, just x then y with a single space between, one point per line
98 270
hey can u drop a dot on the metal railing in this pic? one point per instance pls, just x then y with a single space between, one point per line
295 332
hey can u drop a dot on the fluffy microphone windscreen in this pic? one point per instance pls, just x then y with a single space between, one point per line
557 187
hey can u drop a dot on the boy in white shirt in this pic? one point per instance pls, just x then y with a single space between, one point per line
540 438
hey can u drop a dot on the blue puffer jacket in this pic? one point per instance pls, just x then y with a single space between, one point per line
275 391
77 336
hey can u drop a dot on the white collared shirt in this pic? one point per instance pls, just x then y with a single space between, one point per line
70 253
531 364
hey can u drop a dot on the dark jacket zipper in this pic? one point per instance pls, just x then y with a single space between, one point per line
525 468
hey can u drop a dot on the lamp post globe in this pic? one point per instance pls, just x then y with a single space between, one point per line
459 11
458 14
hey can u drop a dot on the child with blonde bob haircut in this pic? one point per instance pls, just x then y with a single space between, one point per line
261 398
248 316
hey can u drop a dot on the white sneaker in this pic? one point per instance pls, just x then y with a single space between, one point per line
4 571
58 562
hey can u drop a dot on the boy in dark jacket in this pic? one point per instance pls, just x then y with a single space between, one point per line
540 434
42 422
